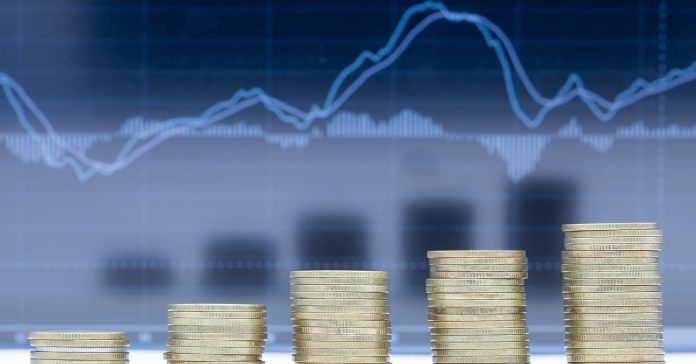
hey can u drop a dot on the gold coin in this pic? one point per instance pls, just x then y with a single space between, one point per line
342 344
216 321
616 240
217 315
612 247
217 329
480 352
610 275
210 357
520 344
617 302
476 254
620 309
612 233
461 282
481 359
623 295
479 331
475 324
474 289
612 282
341 309
477 260
79 350
611 254
333 302
628 267
614 316
613 330
217 336
342 330
79 343
614 337
475 303
611 226
494 317
77 356
352 352
217 343
338 274
337 288
340 323
340 359
478 268
341 316
572 345
476 275
620 351
217 307
476 310
615 358
477 296
483 338
341 295
214 350
297 337
77 335
611 261
56 361
339 280
622 323
610 289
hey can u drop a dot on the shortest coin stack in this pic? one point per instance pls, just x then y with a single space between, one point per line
476 304
53 347
216 333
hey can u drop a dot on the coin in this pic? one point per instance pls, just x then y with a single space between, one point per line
612 233
482 359
484 275
214 350
614 337
476 324
611 254
476 310
614 330
477 296
341 316
217 343
210 357
230 329
612 247
321 337
512 344
340 323
480 338
342 344
217 336
479 331
626 267
620 309
474 289
339 280
329 302
77 349
480 352
611 289
604 295
340 359
611 261
614 316
217 315
341 295
616 240
337 288
337 274
352 352
79 343
341 309
616 302
611 226
433 282
475 303
612 282
615 358
77 356
77 335
342 330
476 254
215 321
495 317
478 268
217 307
614 344
477 260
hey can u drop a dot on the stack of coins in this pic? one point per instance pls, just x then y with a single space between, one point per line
611 292
216 333
79 347
340 317
476 303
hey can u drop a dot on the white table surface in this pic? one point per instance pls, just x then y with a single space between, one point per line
155 356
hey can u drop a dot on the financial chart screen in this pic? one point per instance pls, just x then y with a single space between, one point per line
158 152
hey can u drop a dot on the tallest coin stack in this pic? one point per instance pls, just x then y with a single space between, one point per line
611 293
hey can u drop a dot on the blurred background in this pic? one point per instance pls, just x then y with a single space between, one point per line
125 185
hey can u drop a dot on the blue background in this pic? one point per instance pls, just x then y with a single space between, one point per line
441 148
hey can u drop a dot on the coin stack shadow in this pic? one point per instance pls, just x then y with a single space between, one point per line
611 293
340 317
78 347
476 304
219 333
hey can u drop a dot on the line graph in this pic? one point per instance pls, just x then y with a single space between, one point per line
58 150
